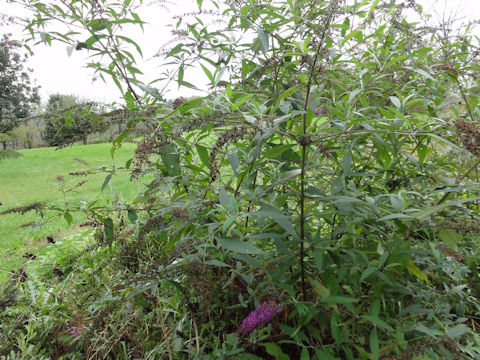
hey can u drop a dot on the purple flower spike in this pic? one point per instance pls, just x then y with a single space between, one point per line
320 111
261 315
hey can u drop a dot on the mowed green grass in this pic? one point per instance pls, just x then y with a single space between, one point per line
33 178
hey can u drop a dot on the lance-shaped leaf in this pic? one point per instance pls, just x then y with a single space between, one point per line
237 245
268 211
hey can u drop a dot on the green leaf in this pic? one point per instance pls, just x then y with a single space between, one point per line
81 45
70 50
449 143
132 216
234 161
450 237
345 26
46 38
415 309
276 351
237 245
396 101
187 84
417 272
106 181
378 322
458 331
268 211
228 91
263 39
181 72
219 75
397 201
422 152
108 228
421 72
68 218
422 328
304 354
374 344
338 300
98 24
171 159
421 215
396 216
216 262
367 272
203 154
319 288
185 107
318 259
175 50
353 94
276 151
347 162
357 34
227 201
208 73
130 41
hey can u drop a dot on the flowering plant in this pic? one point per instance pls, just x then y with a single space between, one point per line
262 314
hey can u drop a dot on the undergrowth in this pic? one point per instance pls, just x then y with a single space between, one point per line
9 154
79 300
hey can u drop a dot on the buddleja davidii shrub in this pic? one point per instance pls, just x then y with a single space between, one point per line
306 162
296 98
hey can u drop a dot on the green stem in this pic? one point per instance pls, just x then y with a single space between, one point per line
305 143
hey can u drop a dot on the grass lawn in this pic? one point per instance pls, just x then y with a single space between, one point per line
32 177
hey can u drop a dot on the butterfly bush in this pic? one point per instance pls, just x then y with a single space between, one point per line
261 315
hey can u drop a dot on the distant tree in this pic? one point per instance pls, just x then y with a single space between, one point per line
71 123
17 94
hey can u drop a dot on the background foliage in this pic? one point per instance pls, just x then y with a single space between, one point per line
75 124
324 189
17 94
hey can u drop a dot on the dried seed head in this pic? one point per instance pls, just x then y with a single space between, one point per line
23 209
81 161
150 144
228 136
178 102
469 135
305 140
151 224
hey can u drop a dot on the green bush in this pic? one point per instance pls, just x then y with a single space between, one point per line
9 154
319 202
73 121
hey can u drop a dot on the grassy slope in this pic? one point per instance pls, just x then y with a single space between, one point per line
32 177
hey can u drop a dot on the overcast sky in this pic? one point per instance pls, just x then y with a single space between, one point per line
55 72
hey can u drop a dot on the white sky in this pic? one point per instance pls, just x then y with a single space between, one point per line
55 72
